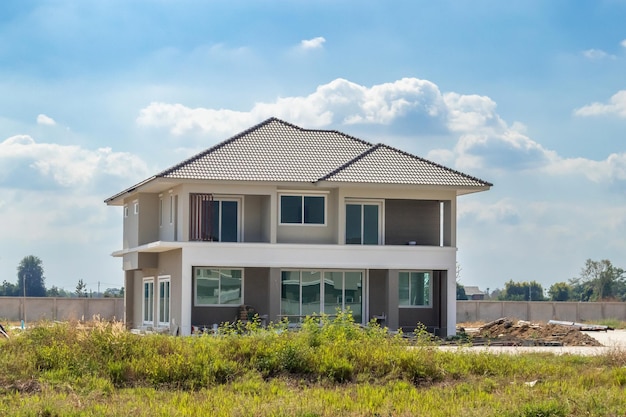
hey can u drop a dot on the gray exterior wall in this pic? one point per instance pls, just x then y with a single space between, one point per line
256 218
148 218
412 220
377 293
170 263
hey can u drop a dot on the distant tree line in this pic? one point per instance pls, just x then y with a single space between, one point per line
597 281
31 283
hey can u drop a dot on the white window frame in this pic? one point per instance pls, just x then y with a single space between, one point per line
136 207
195 286
430 288
125 210
147 281
162 279
381 217
302 194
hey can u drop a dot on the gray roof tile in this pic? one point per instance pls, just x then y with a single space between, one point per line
272 151
383 164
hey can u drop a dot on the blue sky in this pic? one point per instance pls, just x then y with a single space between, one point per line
529 95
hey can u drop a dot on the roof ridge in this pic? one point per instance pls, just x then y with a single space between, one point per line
350 162
249 130
304 129
216 146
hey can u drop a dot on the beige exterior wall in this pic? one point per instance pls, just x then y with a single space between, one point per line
408 215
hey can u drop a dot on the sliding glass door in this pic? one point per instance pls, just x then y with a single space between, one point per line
363 223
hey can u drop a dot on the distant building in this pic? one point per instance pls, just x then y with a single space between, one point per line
474 293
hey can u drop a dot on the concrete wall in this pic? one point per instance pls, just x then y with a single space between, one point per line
485 311
61 309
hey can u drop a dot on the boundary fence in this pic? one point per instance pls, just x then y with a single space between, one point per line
542 311
64 309
60 308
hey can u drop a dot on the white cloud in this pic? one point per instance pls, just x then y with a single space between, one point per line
339 101
484 141
616 105
597 54
42 119
68 166
503 211
613 168
623 43
315 43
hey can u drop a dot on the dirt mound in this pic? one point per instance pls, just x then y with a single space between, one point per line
511 332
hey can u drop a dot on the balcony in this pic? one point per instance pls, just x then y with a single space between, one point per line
304 255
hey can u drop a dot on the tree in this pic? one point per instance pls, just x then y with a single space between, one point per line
560 291
81 289
9 290
57 292
522 291
30 272
460 292
598 281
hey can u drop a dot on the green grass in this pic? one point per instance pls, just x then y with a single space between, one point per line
327 368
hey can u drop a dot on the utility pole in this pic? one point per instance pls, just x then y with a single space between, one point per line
24 307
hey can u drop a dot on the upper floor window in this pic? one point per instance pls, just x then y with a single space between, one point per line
302 209
125 211
136 207
415 288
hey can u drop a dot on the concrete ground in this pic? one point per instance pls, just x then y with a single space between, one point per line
612 341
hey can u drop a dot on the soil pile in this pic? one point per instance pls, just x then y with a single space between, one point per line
509 332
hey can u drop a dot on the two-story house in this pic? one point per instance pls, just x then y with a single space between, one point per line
292 221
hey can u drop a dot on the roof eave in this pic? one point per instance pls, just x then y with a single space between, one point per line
460 190
118 199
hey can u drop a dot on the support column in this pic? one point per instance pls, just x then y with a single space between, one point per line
186 304
129 297
274 291
393 297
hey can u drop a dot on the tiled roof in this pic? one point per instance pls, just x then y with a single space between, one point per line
383 164
272 151
279 151
471 290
